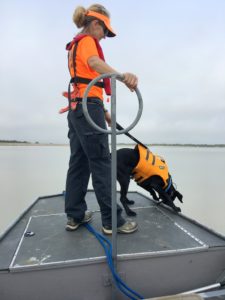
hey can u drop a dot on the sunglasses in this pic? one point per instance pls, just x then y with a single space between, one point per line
105 29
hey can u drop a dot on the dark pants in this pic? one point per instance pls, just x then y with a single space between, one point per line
89 155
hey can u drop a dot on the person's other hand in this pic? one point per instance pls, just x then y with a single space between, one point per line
108 118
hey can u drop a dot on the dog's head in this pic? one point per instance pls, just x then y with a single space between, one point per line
169 194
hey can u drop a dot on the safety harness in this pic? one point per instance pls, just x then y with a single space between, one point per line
71 47
150 165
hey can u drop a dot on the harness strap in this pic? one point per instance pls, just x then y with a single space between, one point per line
89 100
169 184
78 79
74 69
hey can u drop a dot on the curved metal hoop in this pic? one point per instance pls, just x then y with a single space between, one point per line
85 110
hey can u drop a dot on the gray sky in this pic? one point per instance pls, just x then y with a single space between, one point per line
176 47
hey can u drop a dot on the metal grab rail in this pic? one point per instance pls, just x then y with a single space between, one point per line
114 76
113 133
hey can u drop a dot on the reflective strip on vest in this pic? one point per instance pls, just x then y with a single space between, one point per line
150 165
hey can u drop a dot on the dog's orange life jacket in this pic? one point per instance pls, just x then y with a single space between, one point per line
150 165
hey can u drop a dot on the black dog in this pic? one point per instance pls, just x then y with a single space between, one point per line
127 162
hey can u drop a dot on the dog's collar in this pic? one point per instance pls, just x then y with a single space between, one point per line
169 184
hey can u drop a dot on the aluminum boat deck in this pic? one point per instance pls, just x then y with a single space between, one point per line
168 254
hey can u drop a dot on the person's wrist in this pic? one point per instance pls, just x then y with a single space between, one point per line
122 76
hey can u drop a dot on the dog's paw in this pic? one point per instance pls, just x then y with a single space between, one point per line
177 209
180 199
159 202
131 213
129 202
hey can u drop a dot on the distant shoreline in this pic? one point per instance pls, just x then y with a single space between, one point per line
37 144
30 144
179 145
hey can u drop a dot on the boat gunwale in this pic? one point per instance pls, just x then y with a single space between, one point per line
102 259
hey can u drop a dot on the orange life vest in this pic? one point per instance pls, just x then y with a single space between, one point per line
150 165
72 95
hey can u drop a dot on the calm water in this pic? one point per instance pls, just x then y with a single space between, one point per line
28 172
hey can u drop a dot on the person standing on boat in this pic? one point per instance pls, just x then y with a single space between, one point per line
89 148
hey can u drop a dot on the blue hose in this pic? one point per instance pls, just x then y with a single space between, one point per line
107 246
